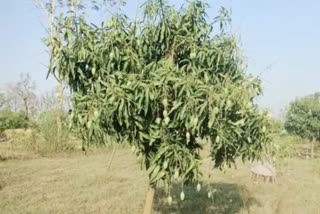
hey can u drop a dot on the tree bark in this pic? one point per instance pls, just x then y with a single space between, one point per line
149 201
25 103
60 114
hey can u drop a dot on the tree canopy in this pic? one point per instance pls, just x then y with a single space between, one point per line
160 84
303 117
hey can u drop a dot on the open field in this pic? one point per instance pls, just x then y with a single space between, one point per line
75 183
131 107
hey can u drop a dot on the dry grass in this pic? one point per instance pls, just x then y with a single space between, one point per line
74 183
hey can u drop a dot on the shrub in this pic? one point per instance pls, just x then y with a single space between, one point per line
13 120
47 126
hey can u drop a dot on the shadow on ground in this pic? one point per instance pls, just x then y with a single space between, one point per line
228 198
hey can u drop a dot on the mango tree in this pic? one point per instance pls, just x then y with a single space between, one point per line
303 118
159 84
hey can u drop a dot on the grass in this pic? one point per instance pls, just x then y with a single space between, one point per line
75 183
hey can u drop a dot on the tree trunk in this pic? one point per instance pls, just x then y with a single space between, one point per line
60 114
149 201
25 103
15 105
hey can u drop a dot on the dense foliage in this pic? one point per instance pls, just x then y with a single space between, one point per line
159 84
12 120
303 117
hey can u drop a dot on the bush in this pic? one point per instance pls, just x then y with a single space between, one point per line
42 137
13 120
47 126
284 146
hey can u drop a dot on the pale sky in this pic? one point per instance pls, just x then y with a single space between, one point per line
280 39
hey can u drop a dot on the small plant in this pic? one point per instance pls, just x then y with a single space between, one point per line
41 137
3 136
47 126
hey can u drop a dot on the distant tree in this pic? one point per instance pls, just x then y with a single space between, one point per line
11 101
24 91
303 118
48 101
2 100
